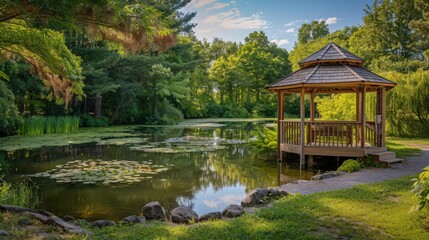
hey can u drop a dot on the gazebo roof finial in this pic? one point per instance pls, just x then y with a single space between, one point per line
331 53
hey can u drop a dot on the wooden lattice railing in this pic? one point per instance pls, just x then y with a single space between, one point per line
327 133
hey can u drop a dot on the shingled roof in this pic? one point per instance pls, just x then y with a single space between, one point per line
331 53
331 65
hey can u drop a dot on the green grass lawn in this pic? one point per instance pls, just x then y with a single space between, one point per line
405 146
372 211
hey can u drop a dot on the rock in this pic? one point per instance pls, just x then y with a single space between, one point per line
255 197
24 222
103 223
327 175
4 233
44 212
68 218
183 215
273 192
210 216
283 192
134 219
154 211
233 211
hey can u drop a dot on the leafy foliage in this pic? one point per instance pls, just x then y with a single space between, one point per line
266 140
312 31
10 118
420 188
350 165
408 104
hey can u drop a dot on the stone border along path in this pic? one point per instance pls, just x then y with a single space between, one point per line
411 166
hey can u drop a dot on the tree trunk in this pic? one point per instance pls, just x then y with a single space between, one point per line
154 104
97 111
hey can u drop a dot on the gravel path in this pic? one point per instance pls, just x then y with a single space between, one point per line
411 165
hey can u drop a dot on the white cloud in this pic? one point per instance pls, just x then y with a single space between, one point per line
280 42
202 3
293 23
211 203
232 198
290 30
219 5
331 20
232 19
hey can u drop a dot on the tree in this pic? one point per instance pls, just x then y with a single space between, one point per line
387 37
303 50
422 25
10 118
128 26
312 31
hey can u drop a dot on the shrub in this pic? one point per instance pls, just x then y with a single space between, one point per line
90 121
350 165
421 188
266 140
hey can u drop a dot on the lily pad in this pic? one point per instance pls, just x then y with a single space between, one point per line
92 172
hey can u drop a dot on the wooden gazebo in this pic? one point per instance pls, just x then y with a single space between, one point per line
333 69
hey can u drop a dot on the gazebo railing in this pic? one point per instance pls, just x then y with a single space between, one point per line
342 134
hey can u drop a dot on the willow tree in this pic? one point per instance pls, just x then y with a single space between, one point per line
30 32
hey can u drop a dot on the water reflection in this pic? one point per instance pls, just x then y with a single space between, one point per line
205 181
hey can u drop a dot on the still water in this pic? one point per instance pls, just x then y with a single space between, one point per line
210 168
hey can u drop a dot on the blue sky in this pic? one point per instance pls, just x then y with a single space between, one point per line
279 19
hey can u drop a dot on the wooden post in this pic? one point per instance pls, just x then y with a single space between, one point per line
302 156
312 106
362 117
383 118
280 117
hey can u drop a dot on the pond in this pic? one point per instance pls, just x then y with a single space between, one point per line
111 173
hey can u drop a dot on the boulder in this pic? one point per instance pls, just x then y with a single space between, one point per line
326 175
183 215
68 218
210 216
283 192
103 223
273 192
154 211
4 233
134 219
255 197
233 211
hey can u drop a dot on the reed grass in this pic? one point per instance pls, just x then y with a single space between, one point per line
37 125
22 194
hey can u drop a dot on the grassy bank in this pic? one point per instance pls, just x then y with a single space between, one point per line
373 211
405 146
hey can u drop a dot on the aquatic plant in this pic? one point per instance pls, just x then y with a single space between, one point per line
19 194
188 144
102 172
37 125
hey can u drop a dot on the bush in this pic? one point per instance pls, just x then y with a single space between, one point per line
87 120
266 140
421 188
350 165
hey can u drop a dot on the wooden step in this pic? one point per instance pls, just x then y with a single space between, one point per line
383 156
392 160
